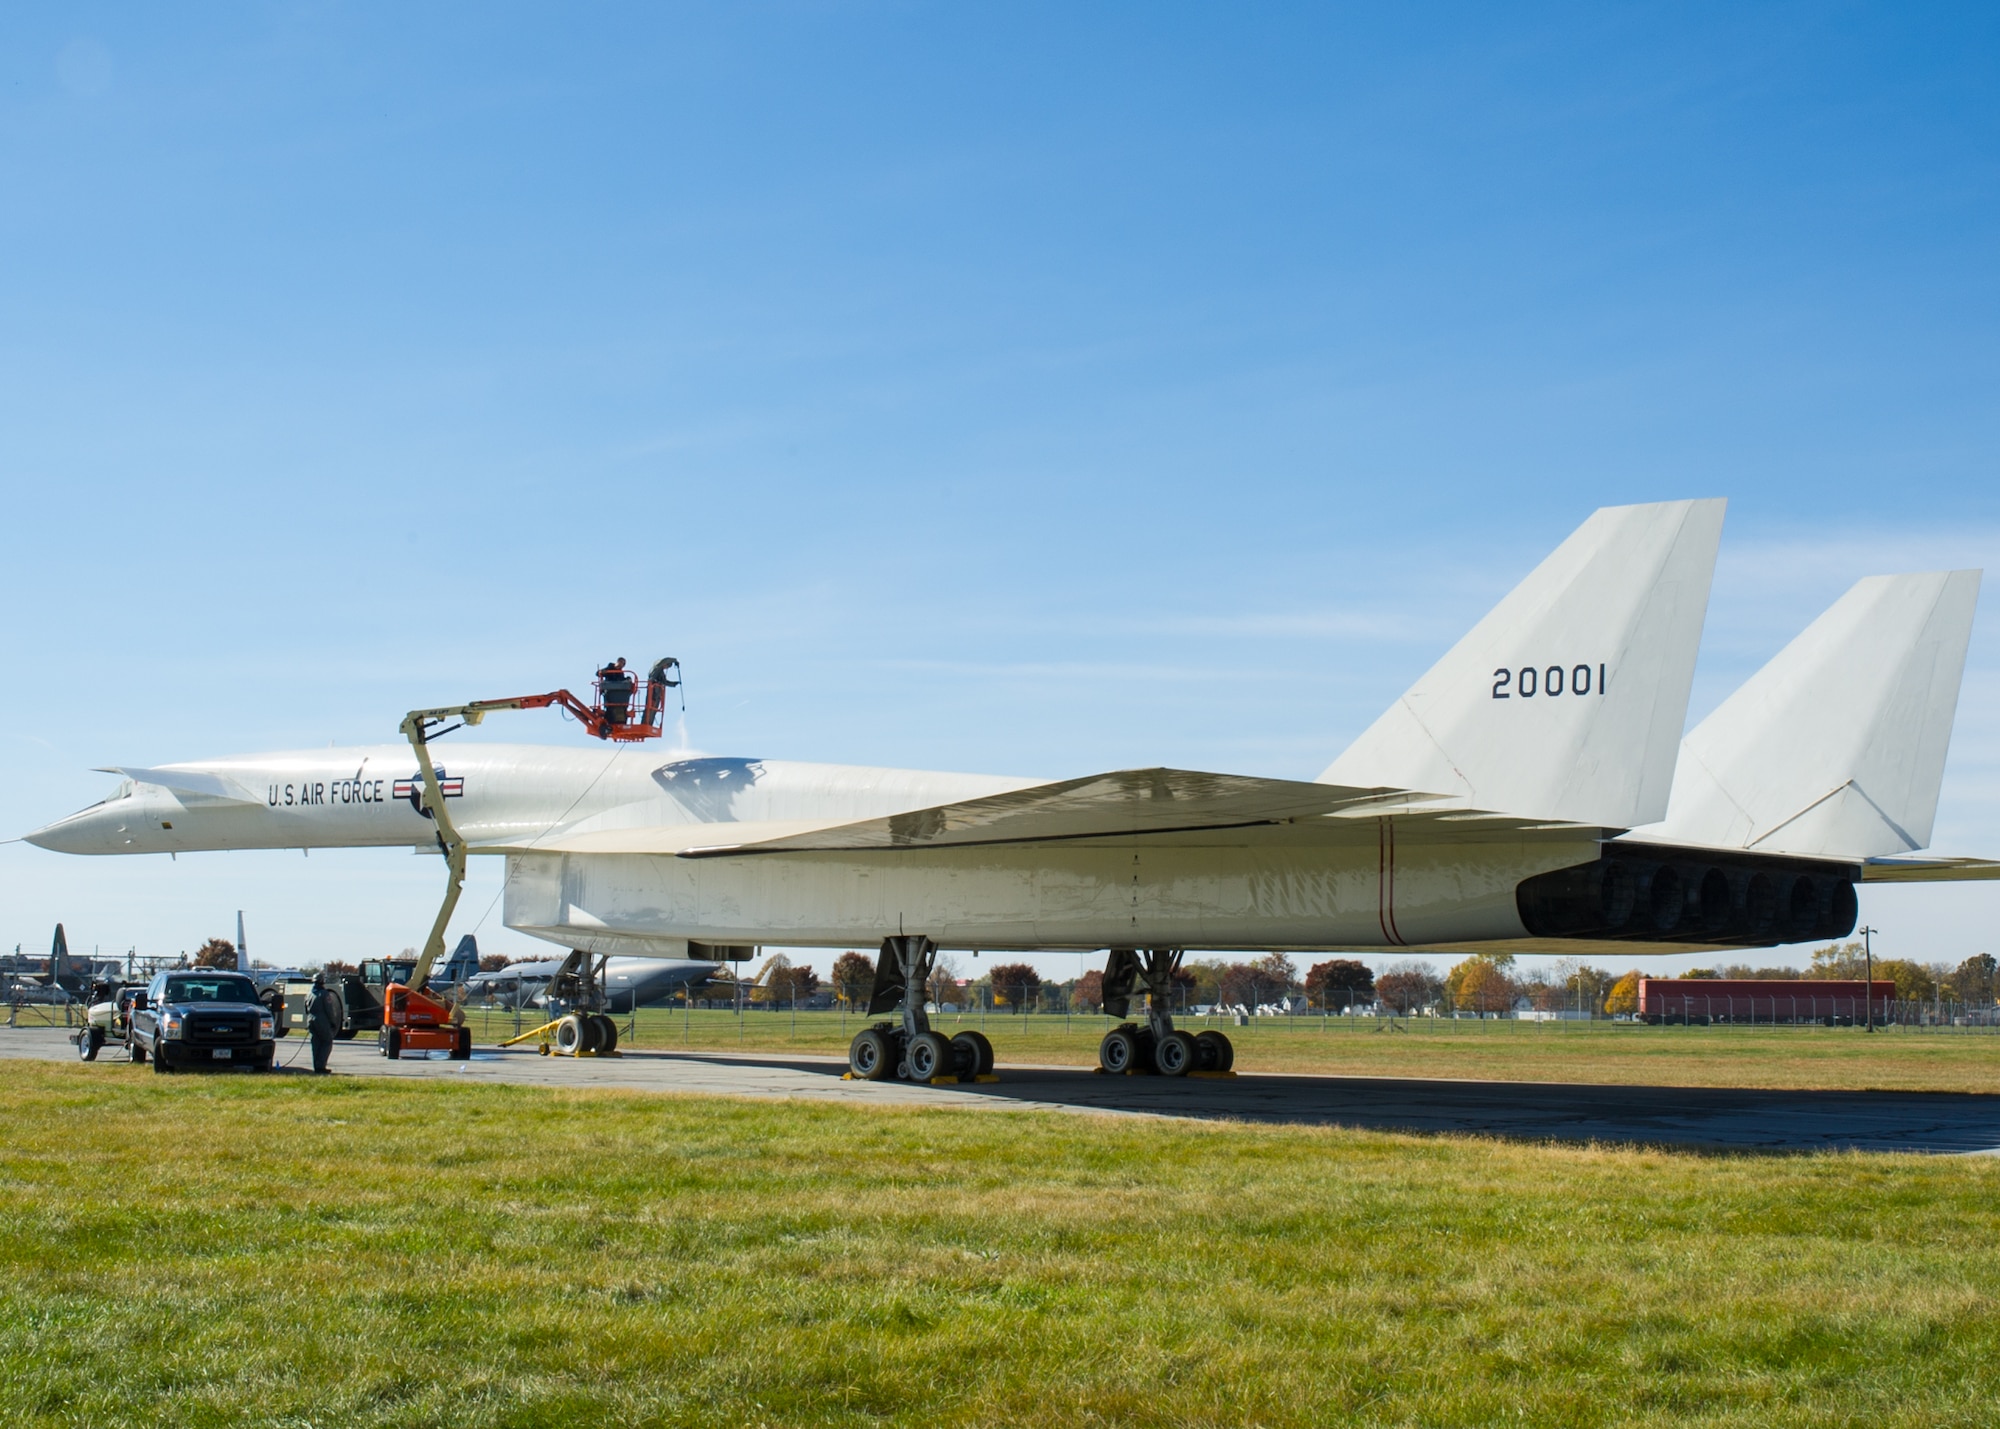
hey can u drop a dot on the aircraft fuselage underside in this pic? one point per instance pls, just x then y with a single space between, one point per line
1440 895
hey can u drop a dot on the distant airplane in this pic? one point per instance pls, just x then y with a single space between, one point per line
628 982
1516 798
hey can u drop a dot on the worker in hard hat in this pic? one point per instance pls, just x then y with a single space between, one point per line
615 685
324 1014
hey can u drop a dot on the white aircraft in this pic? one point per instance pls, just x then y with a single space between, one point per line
1521 796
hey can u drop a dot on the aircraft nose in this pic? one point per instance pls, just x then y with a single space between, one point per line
93 830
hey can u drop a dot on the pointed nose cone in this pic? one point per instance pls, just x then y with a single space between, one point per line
93 830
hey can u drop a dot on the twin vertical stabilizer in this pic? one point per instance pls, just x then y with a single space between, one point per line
1837 747
1568 700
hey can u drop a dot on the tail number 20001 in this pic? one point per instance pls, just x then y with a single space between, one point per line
1529 681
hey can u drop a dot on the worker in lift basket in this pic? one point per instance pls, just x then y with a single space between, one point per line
323 1019
616 685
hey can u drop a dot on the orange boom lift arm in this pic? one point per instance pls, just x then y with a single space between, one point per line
414 1019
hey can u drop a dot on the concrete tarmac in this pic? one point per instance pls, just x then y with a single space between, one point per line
1705 1118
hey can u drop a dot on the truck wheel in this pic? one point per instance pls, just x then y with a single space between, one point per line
160 1062
345 1034
89 1043
135 1051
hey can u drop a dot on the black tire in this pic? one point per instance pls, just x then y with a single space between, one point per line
160 1063
870 1056
89 1042
1217 1055
975 1057
345 1034
265 1061
607 1034
1118 1053
135 1050
1174 1055
462 1049
392 1044
931 1056
575 1034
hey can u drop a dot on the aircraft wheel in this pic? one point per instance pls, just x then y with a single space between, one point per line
930 1056
1174 1055
1118 1051
976 1060
1217 1055
607 1033
870 1057
574 1035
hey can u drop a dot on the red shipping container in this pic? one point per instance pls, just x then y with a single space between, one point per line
1836 1001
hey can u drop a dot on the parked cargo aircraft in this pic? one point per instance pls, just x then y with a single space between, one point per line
627 982
1521 796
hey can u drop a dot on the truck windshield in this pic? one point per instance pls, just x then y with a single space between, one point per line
210 989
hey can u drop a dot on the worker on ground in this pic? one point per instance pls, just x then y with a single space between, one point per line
615 685
323 1018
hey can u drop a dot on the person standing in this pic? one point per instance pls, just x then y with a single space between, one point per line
324 1015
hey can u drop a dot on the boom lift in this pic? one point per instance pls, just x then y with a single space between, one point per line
413 1018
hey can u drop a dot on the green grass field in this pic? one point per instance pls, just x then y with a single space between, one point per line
230 1250
1839 1058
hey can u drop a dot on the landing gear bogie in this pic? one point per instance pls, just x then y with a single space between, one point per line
1154 1046
908 1047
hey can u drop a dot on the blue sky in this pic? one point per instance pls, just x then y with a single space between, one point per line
1024 389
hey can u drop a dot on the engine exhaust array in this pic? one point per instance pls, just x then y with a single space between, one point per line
1657 894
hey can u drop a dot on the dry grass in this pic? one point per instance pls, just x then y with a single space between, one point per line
362 1251
1843 1059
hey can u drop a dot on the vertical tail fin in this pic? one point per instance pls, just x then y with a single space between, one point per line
242 948
58 958
1837 746
1568 700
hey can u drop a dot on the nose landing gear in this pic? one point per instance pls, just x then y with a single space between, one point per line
1130 1050
909 1048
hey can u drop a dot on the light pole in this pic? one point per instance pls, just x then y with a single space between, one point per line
1868 952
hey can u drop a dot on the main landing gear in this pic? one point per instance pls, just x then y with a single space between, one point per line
910 1049
1132 1050
584 1027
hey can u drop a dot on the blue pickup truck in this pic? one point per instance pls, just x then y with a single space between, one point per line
197 1017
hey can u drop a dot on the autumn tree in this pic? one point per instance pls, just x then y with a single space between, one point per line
853 977
1342 981
1914 982
942 985
1480 985
1973 980
1279 972
1087 993
1207 974
1015 985
1409 986
337 967
494 962
1623 999
1839 960
792 984
216 953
